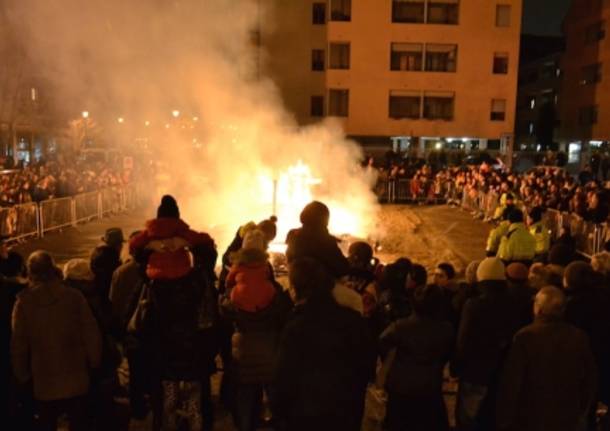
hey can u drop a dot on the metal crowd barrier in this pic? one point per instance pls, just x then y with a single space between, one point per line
34 220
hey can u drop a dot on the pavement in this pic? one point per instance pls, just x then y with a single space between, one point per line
426 234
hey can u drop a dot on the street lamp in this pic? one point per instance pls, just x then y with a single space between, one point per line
176 113
147 123
85 114
121 120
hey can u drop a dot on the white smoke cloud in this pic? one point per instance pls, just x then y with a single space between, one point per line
140 59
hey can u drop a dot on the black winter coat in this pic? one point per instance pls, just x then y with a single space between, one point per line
326 358
487 326
423 348
548 381
317 244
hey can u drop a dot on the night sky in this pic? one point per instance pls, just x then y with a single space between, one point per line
544 17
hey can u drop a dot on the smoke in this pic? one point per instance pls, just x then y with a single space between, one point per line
142 59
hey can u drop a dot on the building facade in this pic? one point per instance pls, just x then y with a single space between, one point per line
585 115
421 73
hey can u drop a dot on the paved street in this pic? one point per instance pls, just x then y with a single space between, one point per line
426 235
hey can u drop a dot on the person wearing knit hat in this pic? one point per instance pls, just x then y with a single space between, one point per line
78 269
314 241
517 272
487 325
165 241
491 269
249 283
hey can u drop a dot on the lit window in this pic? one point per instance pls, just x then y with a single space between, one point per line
34 94
531 128
407 56
441 58
532 102
438 105
443 11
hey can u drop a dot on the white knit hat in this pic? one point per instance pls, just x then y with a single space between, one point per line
254 239
78 269
491 269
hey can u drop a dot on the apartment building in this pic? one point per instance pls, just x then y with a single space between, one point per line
585 116
419 73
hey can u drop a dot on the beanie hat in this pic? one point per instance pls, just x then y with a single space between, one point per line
269 228
78 270
560 254
254 239
578 274
315 214
491 269
168 208
517 271
470 275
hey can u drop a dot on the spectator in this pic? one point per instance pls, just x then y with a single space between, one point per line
113 238
549 378
361 278
314 241
326 357
11 284
496 234
540 233
125 289
444 277
466 290
520 291
55 345
487 326
600 263
393 299
517 245
587 309
414 383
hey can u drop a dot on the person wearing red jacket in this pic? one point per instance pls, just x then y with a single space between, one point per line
167 238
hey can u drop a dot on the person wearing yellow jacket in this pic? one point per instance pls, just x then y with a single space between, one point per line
541 234
518 244
496 234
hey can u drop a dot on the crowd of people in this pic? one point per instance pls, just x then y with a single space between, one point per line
525 332
586 195
55 179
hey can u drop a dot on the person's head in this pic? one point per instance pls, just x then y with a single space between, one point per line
269 228
443 274
535 215
394 277
255 240
78 270
506 212
470 274
113 237
600 263
427 301
308 279
578 275
316 215
168 208
515 216
491 273
104 260
133 234
517 272
560 254
41 268
418 276
14 265
550 303
360 255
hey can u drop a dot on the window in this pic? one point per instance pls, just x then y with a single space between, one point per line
591 74
338 105
500 63
531 101
443 11
341 10
441 58
319 13
317 106
587 116
33 94
405 104
438 105
317 59
498 109
408 11
503 15
531 128
595 32
407 56
339 56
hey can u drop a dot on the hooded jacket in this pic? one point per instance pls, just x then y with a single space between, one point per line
169 264
56 341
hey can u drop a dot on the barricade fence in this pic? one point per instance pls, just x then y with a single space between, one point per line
590 237
36 219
